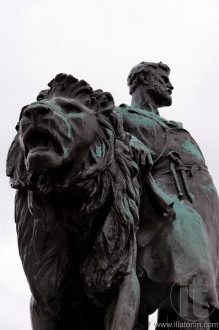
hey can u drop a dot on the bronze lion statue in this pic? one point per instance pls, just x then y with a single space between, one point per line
76 209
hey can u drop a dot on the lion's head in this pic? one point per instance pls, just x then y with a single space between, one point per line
55 133
70 142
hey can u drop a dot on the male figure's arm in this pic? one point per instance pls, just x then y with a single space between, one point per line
140 127
141 153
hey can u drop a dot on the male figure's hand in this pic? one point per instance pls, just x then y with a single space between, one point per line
141 154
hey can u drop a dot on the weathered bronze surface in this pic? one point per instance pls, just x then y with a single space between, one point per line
178 247
106 192
76 209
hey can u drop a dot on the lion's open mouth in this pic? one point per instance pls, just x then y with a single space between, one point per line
39 142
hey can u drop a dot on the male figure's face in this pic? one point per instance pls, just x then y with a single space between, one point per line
158 86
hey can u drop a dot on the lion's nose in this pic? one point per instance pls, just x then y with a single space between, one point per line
36 112
170 86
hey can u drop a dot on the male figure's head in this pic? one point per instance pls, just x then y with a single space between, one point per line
149 82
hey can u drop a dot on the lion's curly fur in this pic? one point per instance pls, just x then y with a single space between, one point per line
104 220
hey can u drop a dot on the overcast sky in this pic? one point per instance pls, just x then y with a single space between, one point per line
100 41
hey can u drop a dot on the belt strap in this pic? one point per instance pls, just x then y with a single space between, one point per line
176 165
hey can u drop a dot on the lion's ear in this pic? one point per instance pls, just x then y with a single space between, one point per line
109 103
105 101
16 169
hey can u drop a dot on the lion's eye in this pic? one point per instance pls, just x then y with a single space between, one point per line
70 108
165 79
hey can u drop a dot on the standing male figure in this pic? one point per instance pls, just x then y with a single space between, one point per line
178 247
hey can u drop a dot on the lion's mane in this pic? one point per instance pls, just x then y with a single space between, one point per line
107 176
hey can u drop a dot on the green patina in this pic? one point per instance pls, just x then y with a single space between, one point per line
66 153
139 120
152 108
161 191
76 115
99 152
208 189
126 209
187 239
190 148
61 116
137 116
134 104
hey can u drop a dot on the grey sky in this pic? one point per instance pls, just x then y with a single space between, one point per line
99 41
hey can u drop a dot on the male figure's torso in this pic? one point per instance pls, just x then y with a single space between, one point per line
180 173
